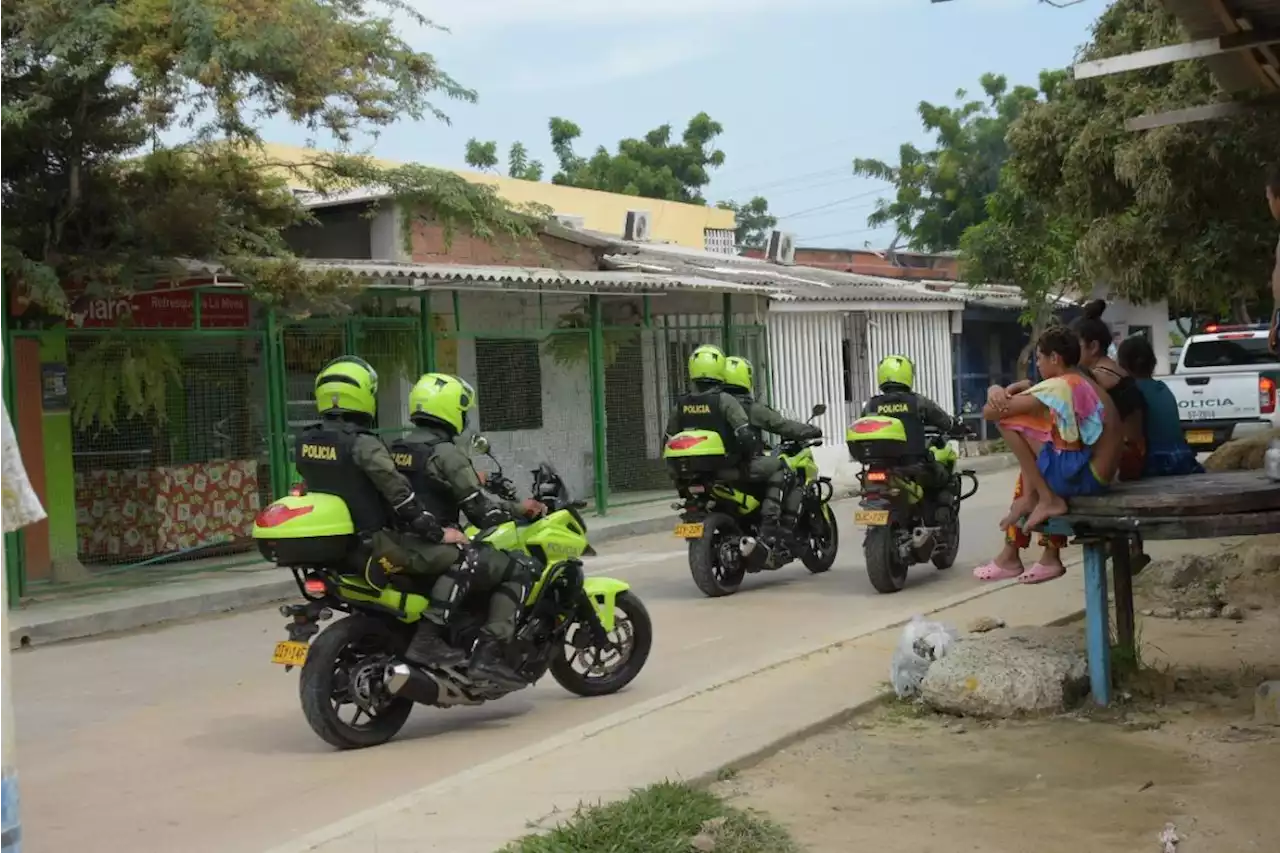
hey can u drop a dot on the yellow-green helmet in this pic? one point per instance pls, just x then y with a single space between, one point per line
737 373
442 398
707 364
896 370
347 385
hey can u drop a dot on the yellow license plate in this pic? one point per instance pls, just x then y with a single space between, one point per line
290 653
872 517
689 531
1200 436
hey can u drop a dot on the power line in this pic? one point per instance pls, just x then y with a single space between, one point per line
837 202
839 233
826 208
755 188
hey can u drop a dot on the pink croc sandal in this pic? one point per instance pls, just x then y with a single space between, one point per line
993 572
1040 573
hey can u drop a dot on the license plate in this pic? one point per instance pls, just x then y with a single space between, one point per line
871 517
290 653
1200 436
689 531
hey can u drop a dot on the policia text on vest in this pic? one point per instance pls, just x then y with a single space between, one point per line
695 409
319 452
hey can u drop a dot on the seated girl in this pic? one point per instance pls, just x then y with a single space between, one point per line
1120 385
1168 453
1065 434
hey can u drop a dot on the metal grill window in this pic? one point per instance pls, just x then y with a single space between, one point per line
510 384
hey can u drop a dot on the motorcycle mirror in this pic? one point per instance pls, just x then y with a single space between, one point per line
480 444
819 410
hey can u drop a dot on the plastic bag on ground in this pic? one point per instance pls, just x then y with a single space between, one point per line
922 642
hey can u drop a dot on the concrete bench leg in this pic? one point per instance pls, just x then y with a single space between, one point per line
1097 629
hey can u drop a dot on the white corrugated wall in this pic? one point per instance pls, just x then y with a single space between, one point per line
922 336
807 367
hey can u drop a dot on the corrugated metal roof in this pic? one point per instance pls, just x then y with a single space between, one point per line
800 283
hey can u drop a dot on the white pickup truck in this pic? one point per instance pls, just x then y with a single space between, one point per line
1225 385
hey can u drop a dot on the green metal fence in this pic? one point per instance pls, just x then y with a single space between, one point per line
174 438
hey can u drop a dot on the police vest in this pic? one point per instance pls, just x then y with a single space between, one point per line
704 410
325 459
436 496
904 406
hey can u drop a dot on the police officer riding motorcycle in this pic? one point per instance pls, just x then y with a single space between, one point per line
895 375
445 479
781 504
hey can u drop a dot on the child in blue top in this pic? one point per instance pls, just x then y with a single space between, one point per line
1168 453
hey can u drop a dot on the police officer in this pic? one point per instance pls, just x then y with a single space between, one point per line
708 407
342 456
738 381
442 473
896 375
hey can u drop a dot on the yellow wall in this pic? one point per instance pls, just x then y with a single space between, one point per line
670 221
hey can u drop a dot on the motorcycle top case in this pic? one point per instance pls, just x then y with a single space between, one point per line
305 530
696 451
875 438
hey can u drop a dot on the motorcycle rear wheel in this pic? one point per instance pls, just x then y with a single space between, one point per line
945 557
327 676
706 562
885 567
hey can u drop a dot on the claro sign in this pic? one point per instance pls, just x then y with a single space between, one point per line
162 309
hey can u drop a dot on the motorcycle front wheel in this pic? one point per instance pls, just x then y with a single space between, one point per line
343 671
885 567
581 668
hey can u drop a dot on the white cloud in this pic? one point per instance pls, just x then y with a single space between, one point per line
623 61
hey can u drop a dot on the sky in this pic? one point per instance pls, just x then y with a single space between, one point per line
802 87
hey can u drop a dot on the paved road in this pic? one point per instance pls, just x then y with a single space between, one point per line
186 738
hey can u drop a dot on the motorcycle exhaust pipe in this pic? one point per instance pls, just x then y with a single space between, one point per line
409 682
921 537
747 545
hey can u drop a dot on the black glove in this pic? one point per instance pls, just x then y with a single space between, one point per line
419 522
810 432
748 440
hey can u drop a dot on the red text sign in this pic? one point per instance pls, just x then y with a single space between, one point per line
162 309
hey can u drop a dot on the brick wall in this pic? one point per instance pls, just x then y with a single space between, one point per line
429 247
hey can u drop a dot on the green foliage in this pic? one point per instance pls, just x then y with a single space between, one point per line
481 155
753 220
1175 212
520 166
135 373
652 167
91 196
570 346
941 192
662 818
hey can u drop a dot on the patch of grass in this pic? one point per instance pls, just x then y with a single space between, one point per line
663 818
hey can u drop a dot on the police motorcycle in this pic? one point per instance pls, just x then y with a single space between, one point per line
721 521
906 523
593 634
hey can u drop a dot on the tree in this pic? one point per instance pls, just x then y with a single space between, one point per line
652 167
940 193
754 222
92 197
484 156
1174 212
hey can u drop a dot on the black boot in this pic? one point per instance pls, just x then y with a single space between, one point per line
428 647
489 664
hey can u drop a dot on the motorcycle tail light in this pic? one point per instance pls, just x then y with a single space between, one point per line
314 586
697 490
877 477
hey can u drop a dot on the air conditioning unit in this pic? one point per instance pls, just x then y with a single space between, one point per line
570 221
637 226
782 247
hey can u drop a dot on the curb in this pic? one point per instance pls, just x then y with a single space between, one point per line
95 616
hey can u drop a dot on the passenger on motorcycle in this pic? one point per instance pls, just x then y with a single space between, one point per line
765 468
342 456
708 407
442 474
896 375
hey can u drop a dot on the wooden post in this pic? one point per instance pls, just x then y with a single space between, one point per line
1122 565
1097 630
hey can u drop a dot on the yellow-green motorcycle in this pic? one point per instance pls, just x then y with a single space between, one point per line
906 522
592 633
721 521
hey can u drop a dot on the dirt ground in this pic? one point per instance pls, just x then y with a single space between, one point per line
1181 749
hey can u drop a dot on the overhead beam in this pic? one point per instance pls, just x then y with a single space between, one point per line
1231 43
1208 112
